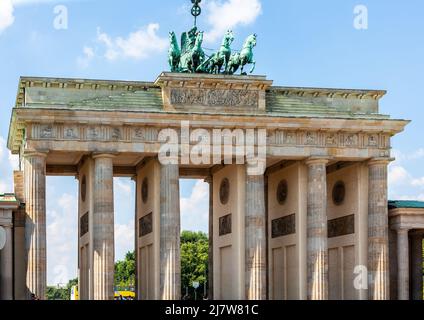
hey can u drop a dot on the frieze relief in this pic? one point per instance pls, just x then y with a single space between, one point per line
328 139
331 140
71 133
290 138
214 97
150 134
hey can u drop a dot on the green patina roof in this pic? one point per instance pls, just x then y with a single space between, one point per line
149 99
8 197
108 95
406 204
281 105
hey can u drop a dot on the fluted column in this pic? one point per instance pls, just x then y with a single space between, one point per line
209 180
103 228
170 263
317 247
417 265
35 224
255 238
6 265
403 264
378 233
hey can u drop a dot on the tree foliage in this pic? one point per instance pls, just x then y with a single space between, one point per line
194 267
194 260
125 271
57 293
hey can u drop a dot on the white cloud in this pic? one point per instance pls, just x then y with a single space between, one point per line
13 161
6 14
7 164
410 156
123 185
398 175
140 44
225 15
124 195
7 8
62 238
88 55
31 2
419 182
195 209
403 185
124 239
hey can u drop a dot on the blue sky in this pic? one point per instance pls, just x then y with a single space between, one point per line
300 43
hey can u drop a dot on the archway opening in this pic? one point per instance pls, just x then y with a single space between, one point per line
62 236
194 208
125 265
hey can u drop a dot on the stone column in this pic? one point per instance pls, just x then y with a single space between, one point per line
403 264
210 252
6 265
378 233
35 224
417 265
317 247
255 238
170 262
103 228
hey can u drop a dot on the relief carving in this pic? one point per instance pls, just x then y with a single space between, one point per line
351 140
116 134
70 133
290 138
47 132
145 226
214 97
284 226
341 226
93 133
225 225
139 134
84 224
331 139
373 140
311 138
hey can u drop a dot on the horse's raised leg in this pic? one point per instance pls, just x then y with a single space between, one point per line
253 67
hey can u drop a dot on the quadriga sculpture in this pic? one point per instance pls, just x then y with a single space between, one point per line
243 58
192 59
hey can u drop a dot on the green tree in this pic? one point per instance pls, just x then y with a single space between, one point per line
56 293
194 260
125 271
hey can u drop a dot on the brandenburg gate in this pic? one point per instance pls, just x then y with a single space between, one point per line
298 179
299 230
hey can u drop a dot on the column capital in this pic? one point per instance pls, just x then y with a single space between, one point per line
379 161
209 179
104 155
317 160
6 224
401 230
35 154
